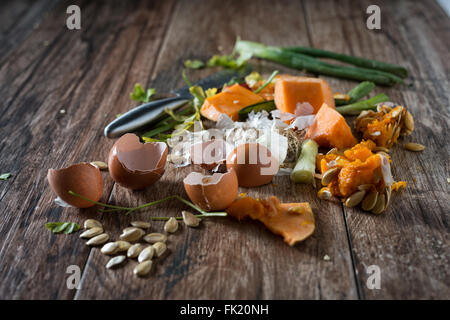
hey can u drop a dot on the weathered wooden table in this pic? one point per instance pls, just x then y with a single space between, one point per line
45 68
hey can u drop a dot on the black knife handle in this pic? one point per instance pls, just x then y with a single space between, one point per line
141 116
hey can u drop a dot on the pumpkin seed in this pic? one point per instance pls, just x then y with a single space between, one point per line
160 248
98 240
189 219
135 250
355 199
155 237
329 175
92 232
387 193
333 151
409 121
114 262
132 234
146 254
100 165
379 206
143 268
171 225
110 248
122 245
365 187
324 194
376 149
411 146
370 200
92 223
140 224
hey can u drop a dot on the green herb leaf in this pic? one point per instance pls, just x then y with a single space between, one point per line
141 95
5 176
194 64
226 61
66 227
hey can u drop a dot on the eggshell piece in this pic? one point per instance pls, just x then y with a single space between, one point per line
212 192
136 165
209 154
82 178
254 164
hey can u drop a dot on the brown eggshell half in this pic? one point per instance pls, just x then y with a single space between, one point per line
82 178
209 154
253 163
136 165
212 192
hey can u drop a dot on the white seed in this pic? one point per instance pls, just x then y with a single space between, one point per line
365 187
140 224
411 146
355 199
110 248
143 268
92 223
160 248
380 205
114 262
122 245
409 122
98 240
189 219
155 237
329 175
376 149
100 165
369 201
92 232
132 234
171 225
333 151
146 254
135 250
324 194
387 193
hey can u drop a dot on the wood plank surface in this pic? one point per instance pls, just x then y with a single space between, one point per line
45 68
226 259
75 72
409 242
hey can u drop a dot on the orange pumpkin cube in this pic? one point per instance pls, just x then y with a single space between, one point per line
330 129
229 101
291 90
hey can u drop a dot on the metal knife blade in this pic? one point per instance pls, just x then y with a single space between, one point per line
151 112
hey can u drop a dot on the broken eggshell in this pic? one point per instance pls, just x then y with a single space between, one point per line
253 163
136 165
81 178
209 154
212 192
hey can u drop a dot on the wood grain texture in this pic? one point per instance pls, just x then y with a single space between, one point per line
18 20
410 241
89 73
225 259
75 72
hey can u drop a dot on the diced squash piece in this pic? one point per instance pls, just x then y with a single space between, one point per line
291 90
293 221
229 101
330 129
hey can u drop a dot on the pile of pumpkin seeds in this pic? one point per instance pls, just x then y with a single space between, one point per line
135 242
366 194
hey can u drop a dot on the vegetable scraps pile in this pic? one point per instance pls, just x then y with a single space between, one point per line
251 129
